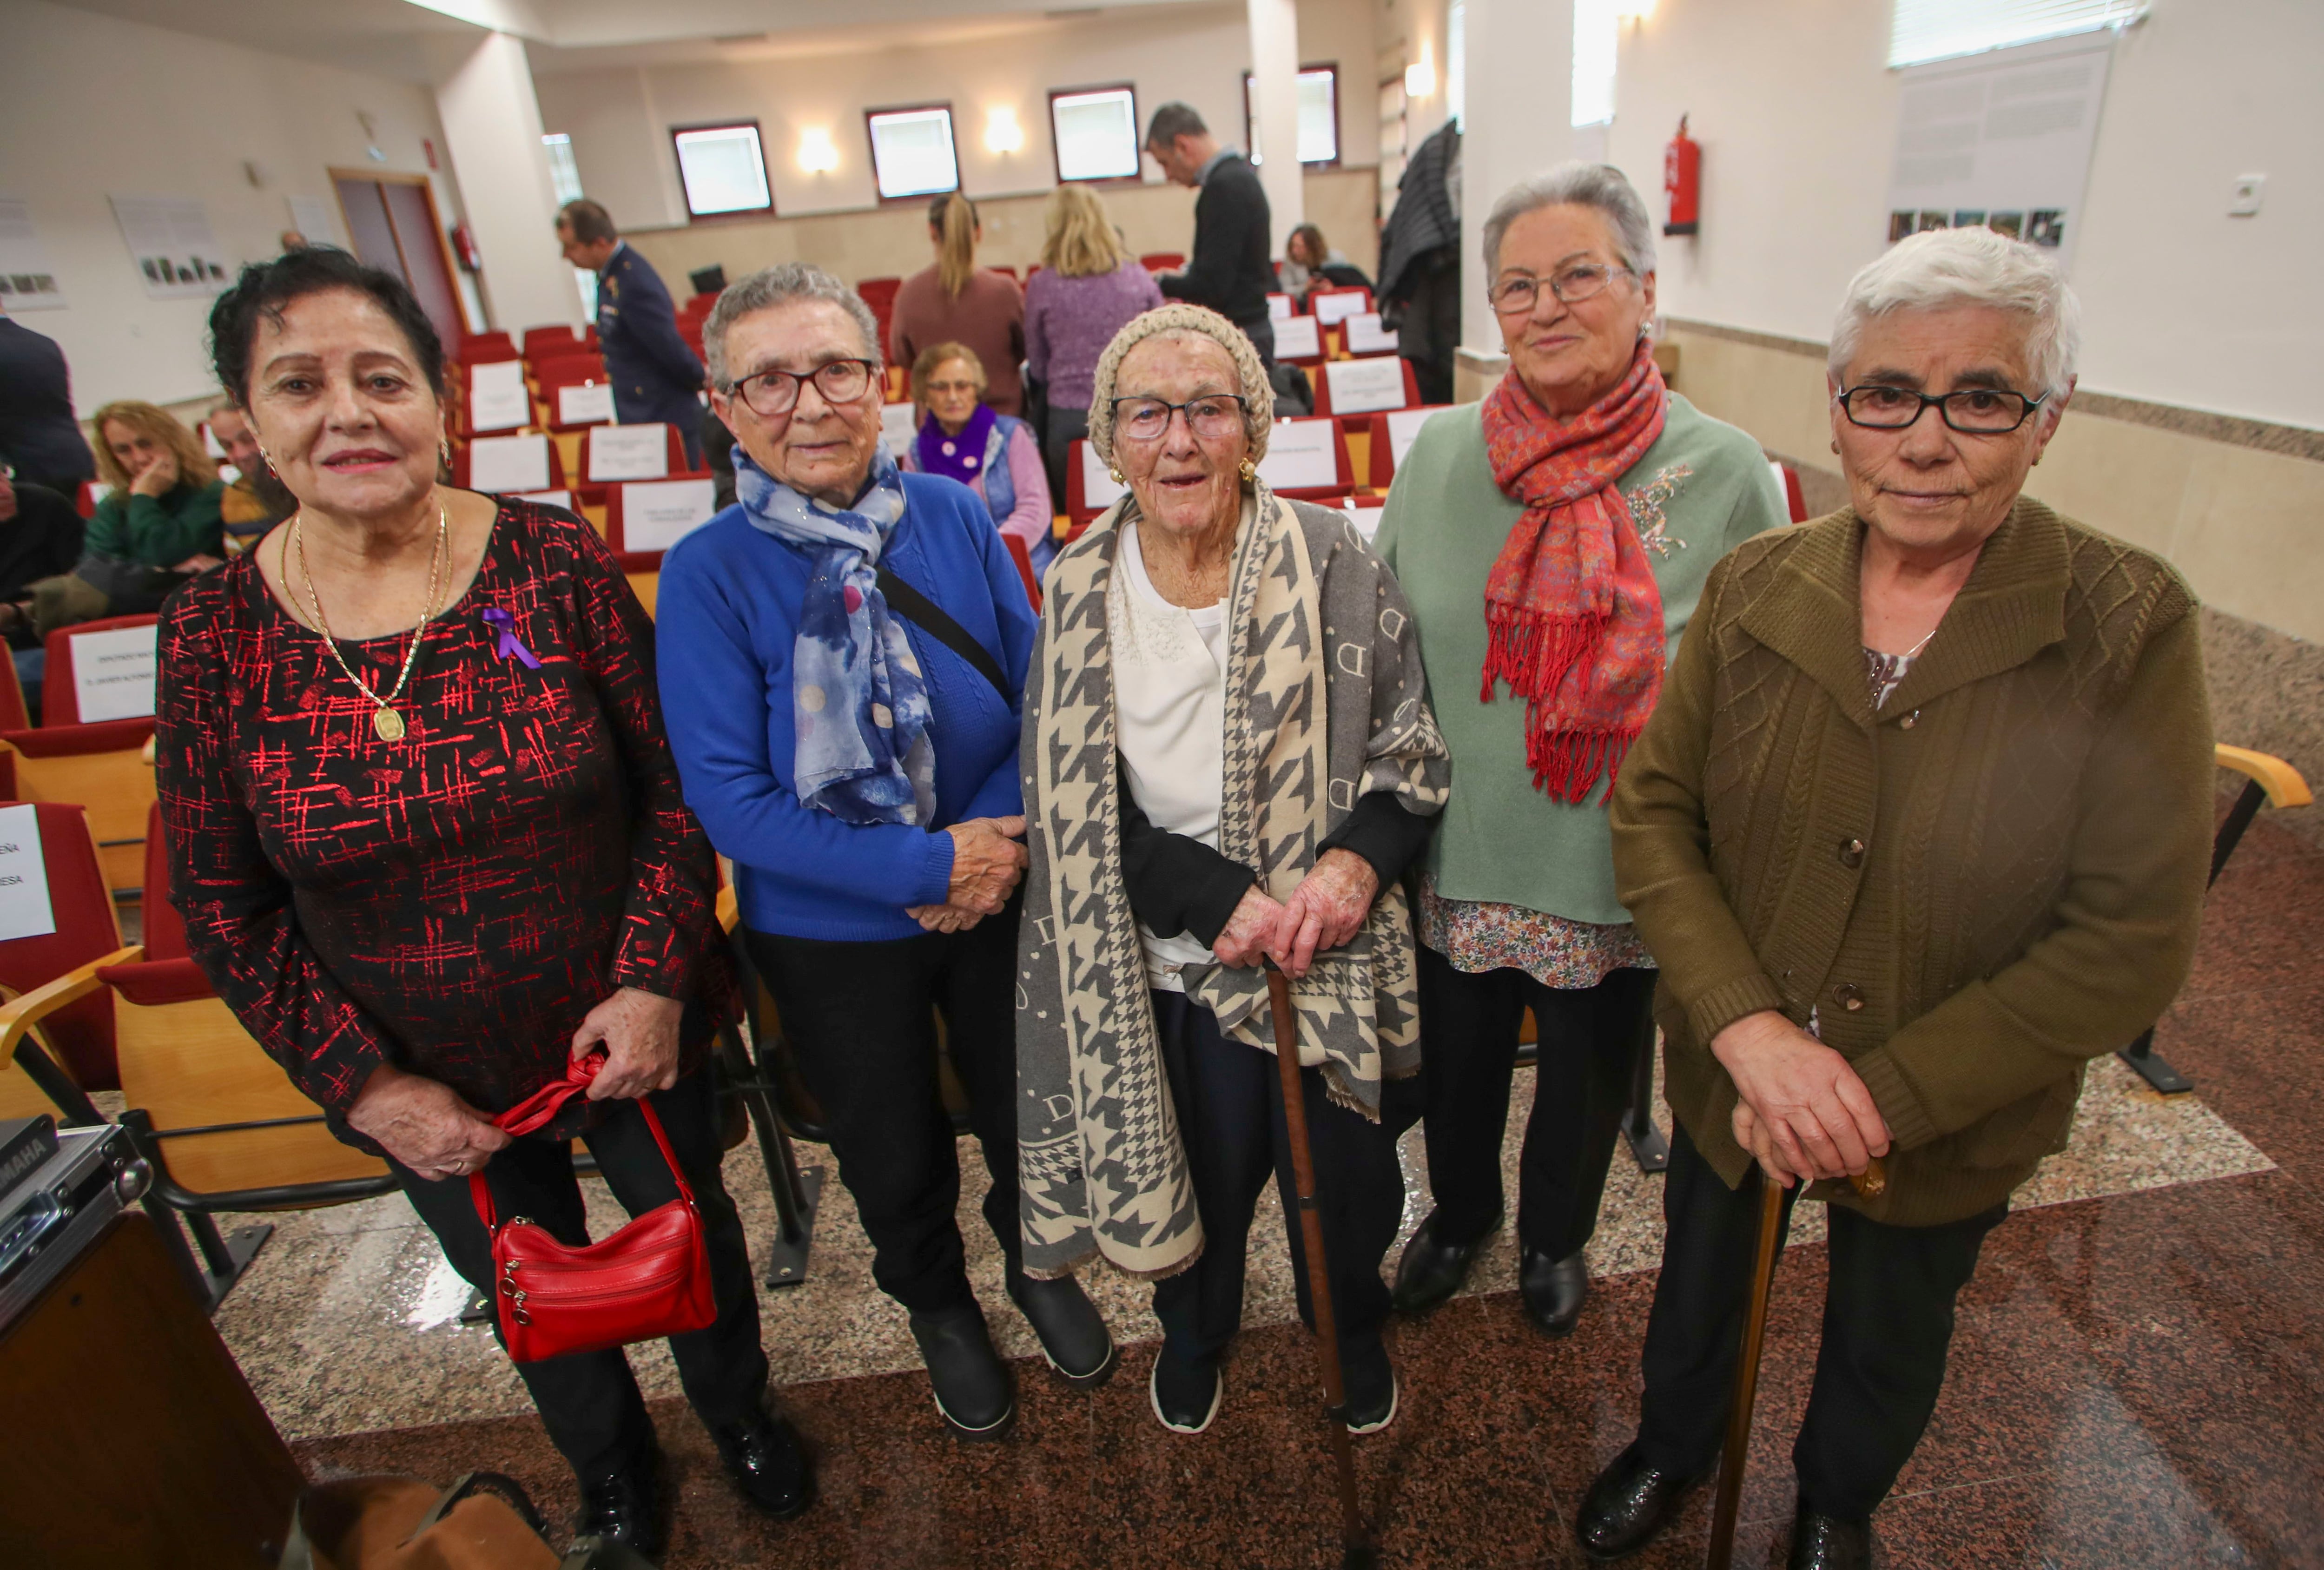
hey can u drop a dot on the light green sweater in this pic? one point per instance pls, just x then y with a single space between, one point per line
1708 486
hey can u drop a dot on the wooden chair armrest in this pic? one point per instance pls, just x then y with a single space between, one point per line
148 754
2279 780
19 1016
730 909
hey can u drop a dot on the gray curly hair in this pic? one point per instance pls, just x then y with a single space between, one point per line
780 284
1182 320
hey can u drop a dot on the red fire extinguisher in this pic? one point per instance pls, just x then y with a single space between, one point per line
1683 182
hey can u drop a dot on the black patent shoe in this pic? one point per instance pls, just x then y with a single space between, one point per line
1186 1395
768 1464
1553 1290
1369 1379
1432 1269
976 1394
1822 1542
624 1506
1072 1332
1629 1503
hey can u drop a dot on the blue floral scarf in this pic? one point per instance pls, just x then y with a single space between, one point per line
859 704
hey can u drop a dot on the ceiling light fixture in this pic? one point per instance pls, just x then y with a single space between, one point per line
817 154
1001 132
1419 78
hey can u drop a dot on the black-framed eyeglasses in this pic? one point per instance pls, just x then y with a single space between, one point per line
1971 411
1583 280
1213 414
772 392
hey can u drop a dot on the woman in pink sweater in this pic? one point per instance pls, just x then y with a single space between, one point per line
962 438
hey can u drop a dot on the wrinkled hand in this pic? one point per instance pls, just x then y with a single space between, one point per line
986 864
1323 911
942 918
158 478
424 1123
639 1032
1243 940
198 562
1803 1112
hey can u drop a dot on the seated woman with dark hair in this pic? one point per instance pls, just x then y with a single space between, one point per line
427 841
994 454
1309 263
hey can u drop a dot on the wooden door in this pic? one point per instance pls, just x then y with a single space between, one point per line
393 221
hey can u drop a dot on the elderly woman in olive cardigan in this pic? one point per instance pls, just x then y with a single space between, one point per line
1919 828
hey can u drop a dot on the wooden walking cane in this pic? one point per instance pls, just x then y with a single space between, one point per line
1872 1181
1358 1551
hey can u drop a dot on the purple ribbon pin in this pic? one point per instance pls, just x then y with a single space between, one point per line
500 622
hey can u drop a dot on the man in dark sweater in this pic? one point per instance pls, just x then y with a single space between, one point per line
1230 272
40 538
38 437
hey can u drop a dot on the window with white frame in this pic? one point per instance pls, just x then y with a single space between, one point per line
563 172
1094 131
1927 29
1596 28
1319 115
722 169
912 152
1456 61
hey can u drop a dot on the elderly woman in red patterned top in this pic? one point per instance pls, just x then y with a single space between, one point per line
429 844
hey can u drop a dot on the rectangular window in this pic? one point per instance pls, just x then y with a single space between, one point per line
1596 27
1456 61
563 172
912 151
1319 115
723 168
1094 133
1927 29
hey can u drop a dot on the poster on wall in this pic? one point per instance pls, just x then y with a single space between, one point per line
171 242
27 282
2001 140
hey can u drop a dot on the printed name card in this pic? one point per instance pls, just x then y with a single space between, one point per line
1365 386
657 514
1366 336
1365 516
628 452
112 672
1404 430
25 908
590 403
1302 455
1278 308
1297 337
896 425
549 498
1330 310
497 399
1099 491
506 465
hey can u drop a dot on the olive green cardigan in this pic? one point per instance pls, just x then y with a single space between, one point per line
1980 888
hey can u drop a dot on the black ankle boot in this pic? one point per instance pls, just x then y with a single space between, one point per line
624 1506
976 1394
1822 1542
768 1464
1073 1334
1433 1267
1629 1503
1553 1290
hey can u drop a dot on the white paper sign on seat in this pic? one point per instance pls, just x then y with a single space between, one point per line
1302 455
896 424
1330 310
1404 430
1098 489
550 498
25 908
1366 336
656 514
1365 386
590 403
628 452
1278 307
502 465
497 398
1297 337
112 672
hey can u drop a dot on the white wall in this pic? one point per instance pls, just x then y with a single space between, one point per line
1797 115
619 120
91 107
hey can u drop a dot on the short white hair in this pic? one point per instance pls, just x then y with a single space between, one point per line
1950 267
1587 185
781 284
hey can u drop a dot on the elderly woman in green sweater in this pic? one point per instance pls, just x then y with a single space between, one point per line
1920 827
1552 540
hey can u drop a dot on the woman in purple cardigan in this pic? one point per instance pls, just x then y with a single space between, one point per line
1089 285
962 438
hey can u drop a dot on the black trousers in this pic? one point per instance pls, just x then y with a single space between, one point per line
860 1019
1229 1098
589 1401
1066 426
1888 1322
1590 1039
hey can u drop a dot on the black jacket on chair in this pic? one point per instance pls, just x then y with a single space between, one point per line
1229 272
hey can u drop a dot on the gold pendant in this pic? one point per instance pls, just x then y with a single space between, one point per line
388 723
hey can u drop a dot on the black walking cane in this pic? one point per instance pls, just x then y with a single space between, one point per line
1359 1553
1870 1183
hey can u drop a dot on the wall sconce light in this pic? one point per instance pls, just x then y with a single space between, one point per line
1419 78
817 154
1633 10
1001 132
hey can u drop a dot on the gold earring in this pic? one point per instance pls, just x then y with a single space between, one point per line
444 449
1250 471
1116 472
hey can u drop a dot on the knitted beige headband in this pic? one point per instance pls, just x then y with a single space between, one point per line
1259 397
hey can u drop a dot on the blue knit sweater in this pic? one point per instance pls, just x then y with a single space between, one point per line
724 624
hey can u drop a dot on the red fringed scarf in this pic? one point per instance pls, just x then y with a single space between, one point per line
1573 615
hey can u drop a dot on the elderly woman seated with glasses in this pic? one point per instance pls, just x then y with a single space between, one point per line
841 657
994 454
1230 759
1920 828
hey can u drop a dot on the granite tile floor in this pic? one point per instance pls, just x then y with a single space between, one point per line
2133 1382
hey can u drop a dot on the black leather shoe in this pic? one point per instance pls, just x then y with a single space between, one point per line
1629 1503
1822 1542
1553 1290
976 1394
769 1466
1072 1332
1369 1379
1185 1395
624 1506
1432 1269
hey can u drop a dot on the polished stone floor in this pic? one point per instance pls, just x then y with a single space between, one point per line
2134 1380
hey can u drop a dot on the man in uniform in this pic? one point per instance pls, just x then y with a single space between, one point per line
655 375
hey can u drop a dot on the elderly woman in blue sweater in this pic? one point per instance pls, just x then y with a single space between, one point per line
841 659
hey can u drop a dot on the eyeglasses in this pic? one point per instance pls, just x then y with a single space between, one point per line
1583 280
1147 419
1972 411
772 392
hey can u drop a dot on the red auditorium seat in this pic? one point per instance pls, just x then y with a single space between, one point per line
1392 436
75 1033
1349 394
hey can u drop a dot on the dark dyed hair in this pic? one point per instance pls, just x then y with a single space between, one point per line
1172 121
265 288
589 220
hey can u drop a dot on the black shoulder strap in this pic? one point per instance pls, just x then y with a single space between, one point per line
903 598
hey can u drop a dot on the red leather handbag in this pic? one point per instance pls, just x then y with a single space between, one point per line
649 1281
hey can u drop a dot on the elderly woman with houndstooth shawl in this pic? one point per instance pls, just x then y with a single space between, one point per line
1228 758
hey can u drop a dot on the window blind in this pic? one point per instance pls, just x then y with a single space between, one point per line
1927 29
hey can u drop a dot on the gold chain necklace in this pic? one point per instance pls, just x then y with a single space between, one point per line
384 720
